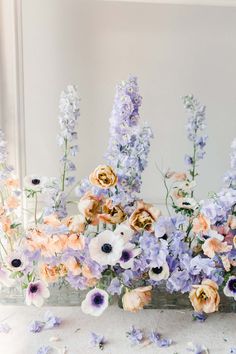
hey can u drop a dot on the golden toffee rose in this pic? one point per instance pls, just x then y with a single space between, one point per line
103 176
144 217
204 297
113 214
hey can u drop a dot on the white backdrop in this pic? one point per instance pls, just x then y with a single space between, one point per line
173 49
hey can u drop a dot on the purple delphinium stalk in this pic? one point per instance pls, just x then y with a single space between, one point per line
69 113
128 148
135 335
129 143
230 176
195 126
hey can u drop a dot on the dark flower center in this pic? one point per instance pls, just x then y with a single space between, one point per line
16 263
157 270
97 299
232 285
33 288
106 248
35 181
164 237
125 257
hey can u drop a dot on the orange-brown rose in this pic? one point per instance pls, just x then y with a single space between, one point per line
135 300
205 297
103 176
144 217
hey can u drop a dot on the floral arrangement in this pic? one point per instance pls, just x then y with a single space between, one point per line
115 243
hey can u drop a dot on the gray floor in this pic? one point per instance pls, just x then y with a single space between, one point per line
218 333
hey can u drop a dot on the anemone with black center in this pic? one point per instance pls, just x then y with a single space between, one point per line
35 181
106 248
164 237
33 288
16 263
126 256
232 285
157 270
97 299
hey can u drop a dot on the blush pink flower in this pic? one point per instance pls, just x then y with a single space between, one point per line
212 246
36 292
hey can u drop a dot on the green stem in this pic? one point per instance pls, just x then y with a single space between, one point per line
36 209
65 165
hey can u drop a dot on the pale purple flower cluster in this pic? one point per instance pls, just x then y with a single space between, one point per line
69 113
129 143
230 176
195 125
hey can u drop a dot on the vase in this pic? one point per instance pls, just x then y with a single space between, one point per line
161 299
60 295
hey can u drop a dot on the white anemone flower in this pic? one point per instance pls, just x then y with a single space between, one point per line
36 292
106 248
230 287
95 302
186 203
35 183
125 232
159 273
130 251
17 261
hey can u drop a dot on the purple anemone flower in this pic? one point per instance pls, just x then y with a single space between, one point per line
95 302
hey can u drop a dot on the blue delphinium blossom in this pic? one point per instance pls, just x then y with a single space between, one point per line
36 326
128 148
45 350
115 287
135 335
97 340
199 316
195 126
230 176
51 321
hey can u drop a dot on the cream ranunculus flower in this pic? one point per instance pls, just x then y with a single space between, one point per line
204 297
134 300
144 217
103 176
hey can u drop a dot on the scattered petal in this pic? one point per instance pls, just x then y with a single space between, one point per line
233 350
51 321
135 335
155 338
97 340
197 348
4 328
199 316
45 350
54 339
36 326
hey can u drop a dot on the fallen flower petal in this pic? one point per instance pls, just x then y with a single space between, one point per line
45 350
197 348
97 340
51 321
4 328
135 335
199 316
36 326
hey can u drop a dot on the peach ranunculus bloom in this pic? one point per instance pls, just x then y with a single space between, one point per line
103 176
201 224
232 222
75 224
48 273
179 176
134 300
112 214
89 206
12 202
58 243
143 217
12 183
204 297
212 246
76 241
73 265
52 220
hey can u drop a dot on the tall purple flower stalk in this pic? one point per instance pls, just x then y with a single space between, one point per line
195 126
129 143
69 113
230 176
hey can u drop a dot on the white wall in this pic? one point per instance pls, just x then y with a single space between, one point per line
173 49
